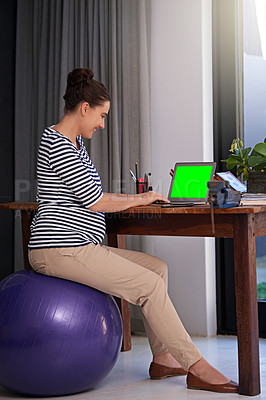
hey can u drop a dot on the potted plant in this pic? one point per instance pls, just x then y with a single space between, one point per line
250 164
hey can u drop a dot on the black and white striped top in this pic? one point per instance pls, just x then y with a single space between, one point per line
68 184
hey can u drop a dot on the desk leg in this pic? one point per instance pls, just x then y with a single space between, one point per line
120 242
246 305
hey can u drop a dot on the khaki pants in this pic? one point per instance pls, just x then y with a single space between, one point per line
136 277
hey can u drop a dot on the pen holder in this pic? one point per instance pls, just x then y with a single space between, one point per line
140 185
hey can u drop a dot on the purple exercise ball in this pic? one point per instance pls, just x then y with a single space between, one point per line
57 337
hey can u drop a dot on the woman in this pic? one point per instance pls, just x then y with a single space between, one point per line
69 226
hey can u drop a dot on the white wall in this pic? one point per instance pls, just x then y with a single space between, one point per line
181 111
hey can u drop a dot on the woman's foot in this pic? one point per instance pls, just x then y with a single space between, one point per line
203 376
167 360
165 366
206 372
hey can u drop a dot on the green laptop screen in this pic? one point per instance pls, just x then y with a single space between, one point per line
190 181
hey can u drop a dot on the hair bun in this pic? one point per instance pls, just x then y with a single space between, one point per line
79 75
81 87
87 74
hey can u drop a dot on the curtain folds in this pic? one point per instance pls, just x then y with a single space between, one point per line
112 37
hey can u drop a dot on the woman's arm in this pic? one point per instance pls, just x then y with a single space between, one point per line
111 202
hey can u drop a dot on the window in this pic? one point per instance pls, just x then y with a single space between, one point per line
254 99
237 63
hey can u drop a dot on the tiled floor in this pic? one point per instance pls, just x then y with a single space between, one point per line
129 378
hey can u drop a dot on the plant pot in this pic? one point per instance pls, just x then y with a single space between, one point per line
256 182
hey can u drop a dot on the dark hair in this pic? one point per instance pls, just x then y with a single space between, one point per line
82 87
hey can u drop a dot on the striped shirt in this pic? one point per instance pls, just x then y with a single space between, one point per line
68 184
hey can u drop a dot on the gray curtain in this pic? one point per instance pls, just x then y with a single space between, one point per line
113 38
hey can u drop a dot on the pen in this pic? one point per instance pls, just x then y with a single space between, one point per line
133 176
136 169
137 179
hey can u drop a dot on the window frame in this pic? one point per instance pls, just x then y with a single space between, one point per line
228 123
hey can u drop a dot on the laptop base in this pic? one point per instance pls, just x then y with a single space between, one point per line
167 205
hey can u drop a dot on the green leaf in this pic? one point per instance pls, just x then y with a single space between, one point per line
231 161
236 157
253 160
245 174
256 160
230 166
225 160
260 167
239 170
246 151
260 148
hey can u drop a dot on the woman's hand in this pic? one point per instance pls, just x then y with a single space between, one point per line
150 197
111 202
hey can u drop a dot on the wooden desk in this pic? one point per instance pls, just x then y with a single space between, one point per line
243 224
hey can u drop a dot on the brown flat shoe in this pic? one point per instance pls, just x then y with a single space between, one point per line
196 383
158 371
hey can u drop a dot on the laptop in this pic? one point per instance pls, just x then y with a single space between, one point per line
188 186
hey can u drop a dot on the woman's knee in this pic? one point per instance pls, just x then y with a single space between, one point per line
151 289
162 269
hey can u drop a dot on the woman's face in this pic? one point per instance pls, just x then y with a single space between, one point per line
93 118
